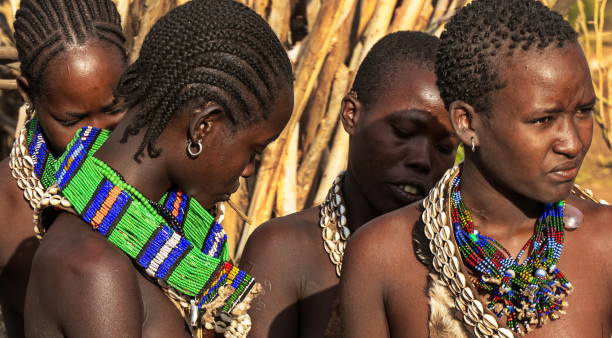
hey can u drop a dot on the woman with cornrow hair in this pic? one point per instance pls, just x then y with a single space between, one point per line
211 88
72 55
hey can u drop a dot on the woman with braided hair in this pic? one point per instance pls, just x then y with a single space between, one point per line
211 88
72 55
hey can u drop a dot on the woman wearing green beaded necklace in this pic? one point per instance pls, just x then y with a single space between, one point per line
498 248
211 88
69 69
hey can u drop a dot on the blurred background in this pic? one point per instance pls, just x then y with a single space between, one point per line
326 41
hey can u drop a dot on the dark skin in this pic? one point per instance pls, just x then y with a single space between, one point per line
120 301
76 91
403 138
528 152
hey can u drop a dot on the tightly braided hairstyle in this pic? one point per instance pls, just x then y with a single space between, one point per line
481 34
205 50
387 56
45 28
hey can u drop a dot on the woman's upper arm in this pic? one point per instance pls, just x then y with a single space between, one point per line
268 258
91 293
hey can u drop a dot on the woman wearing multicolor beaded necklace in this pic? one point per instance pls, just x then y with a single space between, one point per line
71 58
500 236
400 144
213 79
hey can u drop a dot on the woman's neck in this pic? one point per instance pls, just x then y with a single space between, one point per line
358 208
149 177
496 209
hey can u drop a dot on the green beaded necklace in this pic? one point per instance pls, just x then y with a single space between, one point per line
129 220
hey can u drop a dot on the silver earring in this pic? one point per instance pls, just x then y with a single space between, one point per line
198 145
29 109
473 146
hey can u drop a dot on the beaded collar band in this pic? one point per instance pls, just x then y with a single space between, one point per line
204 286
33 166
333 223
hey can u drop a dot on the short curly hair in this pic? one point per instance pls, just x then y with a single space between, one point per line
482 33
376 72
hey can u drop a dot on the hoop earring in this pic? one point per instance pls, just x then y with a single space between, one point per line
29 110
194 154
473 146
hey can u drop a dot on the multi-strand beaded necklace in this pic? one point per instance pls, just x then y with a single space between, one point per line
176 242
527 292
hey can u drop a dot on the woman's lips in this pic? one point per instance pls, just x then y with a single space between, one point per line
565 172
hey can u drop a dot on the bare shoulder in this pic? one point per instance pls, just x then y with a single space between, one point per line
385 243
393 231
82 285
11 194
597 220
81 262
288 237
15 216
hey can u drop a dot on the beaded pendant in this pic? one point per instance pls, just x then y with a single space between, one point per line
528 292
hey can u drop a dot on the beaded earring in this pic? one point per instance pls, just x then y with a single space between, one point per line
473 146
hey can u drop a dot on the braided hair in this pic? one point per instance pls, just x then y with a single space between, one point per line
45 28
484 32
387 56
205 50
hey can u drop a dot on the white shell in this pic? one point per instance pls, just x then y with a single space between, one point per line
345 232
467 294
342 220
429 234
490 321
445 233
505 333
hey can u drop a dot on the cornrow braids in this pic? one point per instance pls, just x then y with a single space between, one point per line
484 32
376 72
45 28
205 50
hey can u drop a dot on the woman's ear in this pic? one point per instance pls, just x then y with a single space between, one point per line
23 87
351 112
463 118
201 121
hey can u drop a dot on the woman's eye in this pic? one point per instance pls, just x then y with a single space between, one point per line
542 120
586 111
402 133
70 122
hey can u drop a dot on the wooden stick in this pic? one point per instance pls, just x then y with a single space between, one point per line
378 25
310 164
21 119
338 160
407 15
333 14
144 14
279 19
312 11
286 199
424 16
8 54
8 84
366 11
